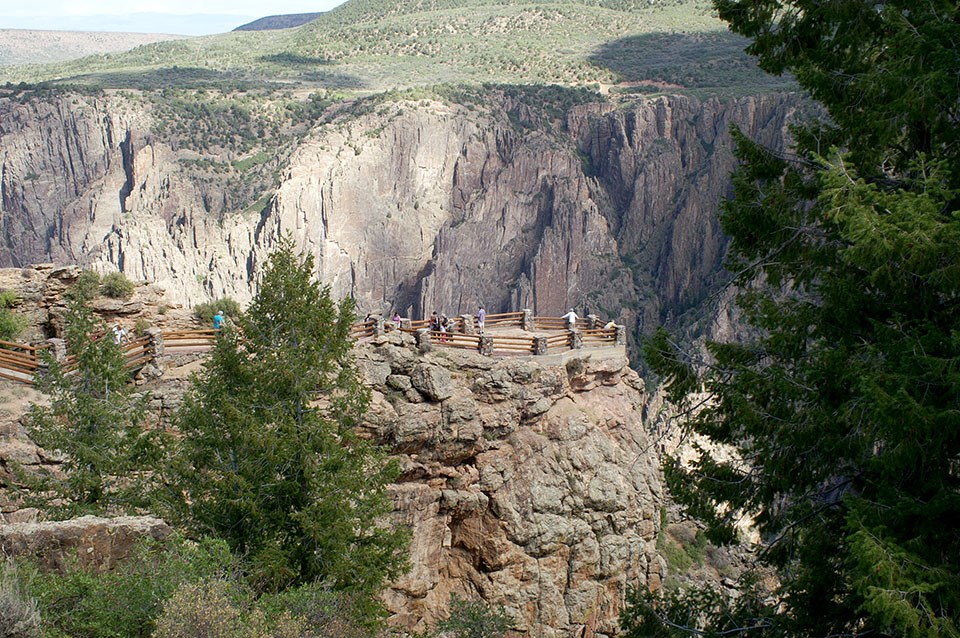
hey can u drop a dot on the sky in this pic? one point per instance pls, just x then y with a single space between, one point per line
148 16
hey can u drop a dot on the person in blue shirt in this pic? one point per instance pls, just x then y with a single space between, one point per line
218 320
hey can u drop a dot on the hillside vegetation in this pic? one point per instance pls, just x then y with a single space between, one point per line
368 46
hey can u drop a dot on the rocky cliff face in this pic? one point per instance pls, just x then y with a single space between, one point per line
528 482
412 205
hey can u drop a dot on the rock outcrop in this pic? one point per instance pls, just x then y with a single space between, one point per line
527 481
412 205
90 540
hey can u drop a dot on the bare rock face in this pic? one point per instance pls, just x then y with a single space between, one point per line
529 482
416 206
95 542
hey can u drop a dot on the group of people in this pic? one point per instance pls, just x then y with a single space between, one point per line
442 324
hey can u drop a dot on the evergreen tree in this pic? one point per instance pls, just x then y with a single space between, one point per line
95 420
845 408
269 460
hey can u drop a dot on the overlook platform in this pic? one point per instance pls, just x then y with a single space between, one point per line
506 334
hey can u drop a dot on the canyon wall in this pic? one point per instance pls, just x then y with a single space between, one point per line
412 205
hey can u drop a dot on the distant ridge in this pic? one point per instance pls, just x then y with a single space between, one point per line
27 46
287 21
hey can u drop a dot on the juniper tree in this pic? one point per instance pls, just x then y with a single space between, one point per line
269 460
845 408
95 419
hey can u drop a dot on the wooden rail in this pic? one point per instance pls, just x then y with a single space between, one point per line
599 336
559 342
20 362
137 353
192 339
504 319
557 323
362 329
513 345
455 340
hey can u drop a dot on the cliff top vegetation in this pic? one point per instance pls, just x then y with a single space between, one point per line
368 46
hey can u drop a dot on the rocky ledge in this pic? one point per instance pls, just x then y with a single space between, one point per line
528 482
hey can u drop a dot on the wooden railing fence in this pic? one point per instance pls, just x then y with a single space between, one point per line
21 363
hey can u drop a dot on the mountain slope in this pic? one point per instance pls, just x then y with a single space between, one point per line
370 45
285 21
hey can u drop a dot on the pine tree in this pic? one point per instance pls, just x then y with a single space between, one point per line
269 460
95 419
845 409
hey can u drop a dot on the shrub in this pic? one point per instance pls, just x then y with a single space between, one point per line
200 610
127 600
205 311
11 324
324 612
9 299
85 288
474 619
286 625
116 286
141 326
19 617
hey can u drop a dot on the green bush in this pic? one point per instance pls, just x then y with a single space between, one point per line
214 608
474 619
116 286
85 288
11 324
141 326
126 601
9 299
203 609
324 612
19 617
205 311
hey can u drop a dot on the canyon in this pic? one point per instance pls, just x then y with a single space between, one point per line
513 201
528 482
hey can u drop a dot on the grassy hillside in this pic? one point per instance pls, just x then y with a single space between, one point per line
368 46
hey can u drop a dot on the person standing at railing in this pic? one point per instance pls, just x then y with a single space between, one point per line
444 328
481 317
119 334
218 320
571 318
